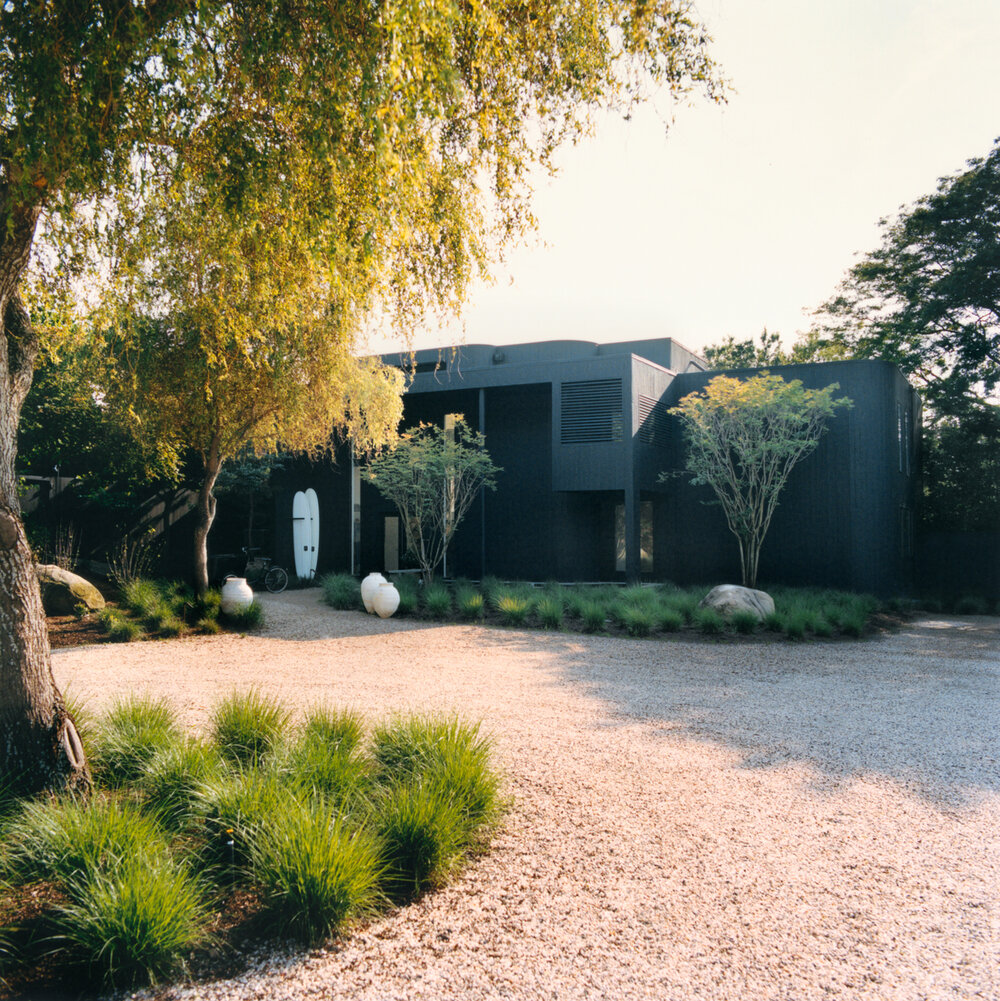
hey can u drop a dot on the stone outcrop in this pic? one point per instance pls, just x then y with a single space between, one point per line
62 591
727 599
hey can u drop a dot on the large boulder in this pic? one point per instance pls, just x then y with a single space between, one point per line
62 591
727 599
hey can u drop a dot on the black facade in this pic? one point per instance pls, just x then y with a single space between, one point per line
582 434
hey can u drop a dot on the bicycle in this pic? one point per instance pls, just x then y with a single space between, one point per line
262 570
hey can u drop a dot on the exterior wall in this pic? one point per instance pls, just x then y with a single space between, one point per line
843 520
839 521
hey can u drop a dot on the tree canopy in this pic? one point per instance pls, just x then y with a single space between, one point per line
928 298
433 475
388 148
744 437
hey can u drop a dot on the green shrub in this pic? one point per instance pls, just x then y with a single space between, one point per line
744 622
685 603
822 626
316 874
210 627
134 729
490 587
513 609
708 621
133 925
421 831
341 591
437 601
58 838
670 620
243 619
246 726
550 611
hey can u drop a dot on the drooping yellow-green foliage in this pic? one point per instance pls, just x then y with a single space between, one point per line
744 437
251 177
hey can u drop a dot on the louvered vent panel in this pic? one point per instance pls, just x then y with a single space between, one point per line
591 411
654 422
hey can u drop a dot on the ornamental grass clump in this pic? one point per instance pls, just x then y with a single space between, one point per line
316 766
316 873
549 610
247 726
437 601
593 616
470 604
244 619
670 620
59 838
341 591
409 593
421 830
708 621
172 780
135 924
134 729
744 622
513 610
635 620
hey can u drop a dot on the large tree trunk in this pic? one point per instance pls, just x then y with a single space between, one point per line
39 744
205 513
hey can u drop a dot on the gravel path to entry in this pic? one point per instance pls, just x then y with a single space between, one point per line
690 820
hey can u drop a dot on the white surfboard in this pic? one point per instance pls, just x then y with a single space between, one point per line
313 501
301 534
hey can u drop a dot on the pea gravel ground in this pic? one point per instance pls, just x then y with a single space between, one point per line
690 819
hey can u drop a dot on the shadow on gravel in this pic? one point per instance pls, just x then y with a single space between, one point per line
920 707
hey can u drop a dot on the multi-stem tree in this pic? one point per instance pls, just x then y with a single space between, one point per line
744 437
433 475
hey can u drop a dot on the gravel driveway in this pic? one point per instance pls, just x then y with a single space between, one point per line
690 819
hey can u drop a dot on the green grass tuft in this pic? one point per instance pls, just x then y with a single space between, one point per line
744 622
342 591
59 838
437 601
243 619
317 873
246 726
708 621
550 611
135 925
134 729
173 778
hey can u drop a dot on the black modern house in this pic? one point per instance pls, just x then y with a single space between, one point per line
582 433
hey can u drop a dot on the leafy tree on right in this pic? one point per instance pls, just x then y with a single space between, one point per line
928 299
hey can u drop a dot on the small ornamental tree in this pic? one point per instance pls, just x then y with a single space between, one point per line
432 475
744 438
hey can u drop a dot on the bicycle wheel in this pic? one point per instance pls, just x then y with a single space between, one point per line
276 580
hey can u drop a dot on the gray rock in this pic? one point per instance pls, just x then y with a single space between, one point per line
727 599
62 591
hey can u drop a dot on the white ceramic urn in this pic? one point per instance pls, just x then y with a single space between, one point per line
236 595
386 600
368 588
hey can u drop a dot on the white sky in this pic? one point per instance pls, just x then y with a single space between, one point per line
747 215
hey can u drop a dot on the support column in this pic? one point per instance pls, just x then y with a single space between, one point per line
482 492
632 532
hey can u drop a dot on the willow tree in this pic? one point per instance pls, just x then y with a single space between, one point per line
413 124
744 438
